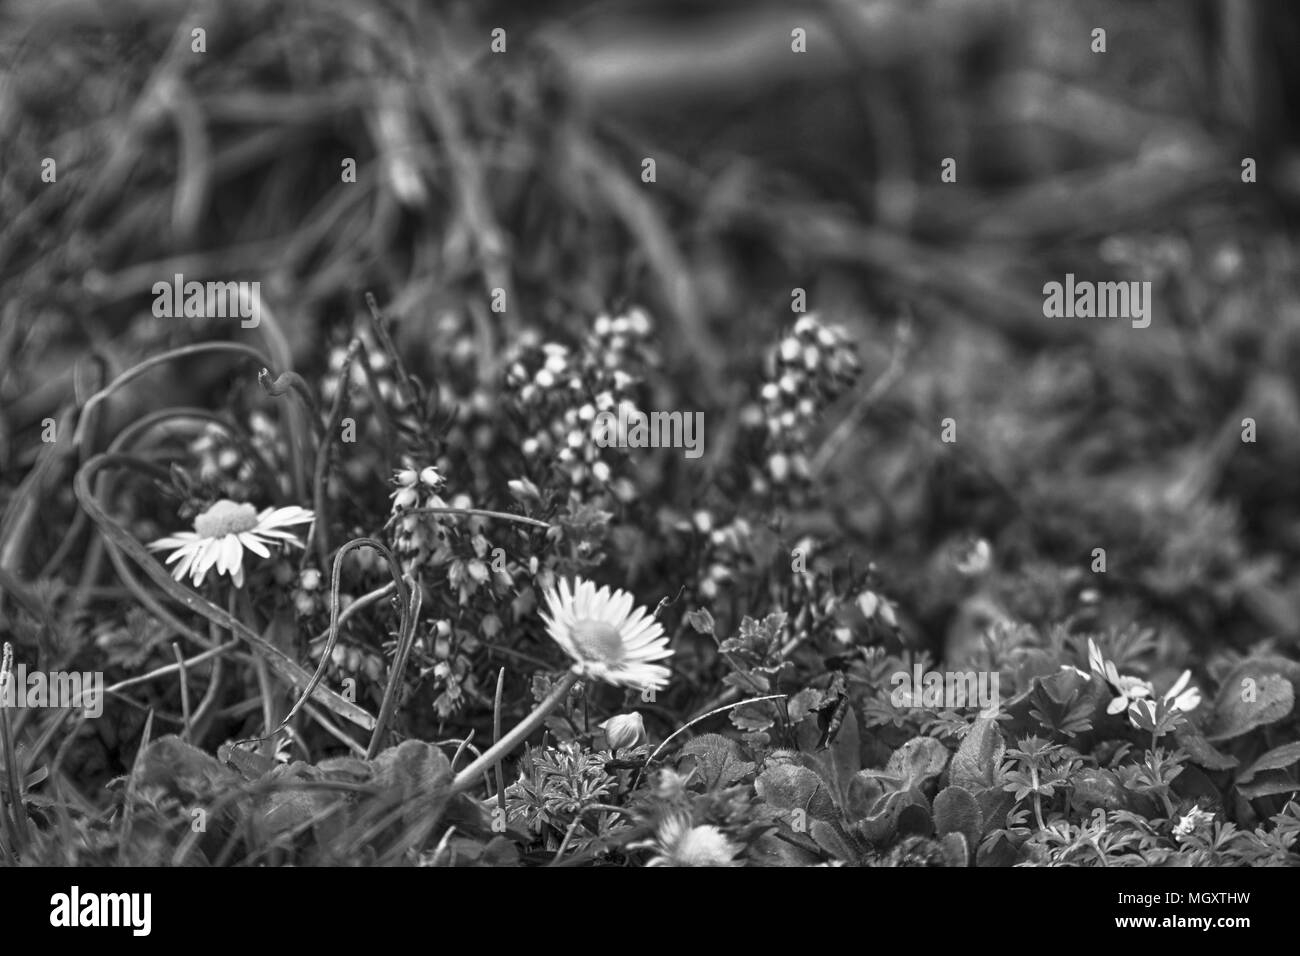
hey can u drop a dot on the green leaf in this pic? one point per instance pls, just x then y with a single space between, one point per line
1255 700
830 838
956 849
790 787
1268 783
957 811
1098 787
977 765
1279 758
917 762
182 769
897 813
1201 751
840 762
718 760
754 717
417 774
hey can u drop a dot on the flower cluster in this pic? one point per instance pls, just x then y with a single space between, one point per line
228 468
458 542
381 374
1133 694
419 539
560 391
809 368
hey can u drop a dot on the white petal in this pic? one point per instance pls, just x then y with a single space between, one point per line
180 539
251 542
232 553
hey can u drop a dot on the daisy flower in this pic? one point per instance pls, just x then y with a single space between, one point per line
606 638
680 844
222 533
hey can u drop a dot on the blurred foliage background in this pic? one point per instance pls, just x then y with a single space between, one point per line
521 171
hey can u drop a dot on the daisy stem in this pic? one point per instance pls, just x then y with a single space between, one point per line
467 777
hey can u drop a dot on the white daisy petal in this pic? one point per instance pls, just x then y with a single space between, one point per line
608 638
251 542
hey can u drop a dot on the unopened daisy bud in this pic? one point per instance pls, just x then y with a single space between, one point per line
602 325
309 579
789 384
639 322
544 379
770 392
304 604
789 350
529 447
600 471
624 731
555 364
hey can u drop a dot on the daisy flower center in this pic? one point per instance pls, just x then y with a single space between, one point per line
226 517
597 640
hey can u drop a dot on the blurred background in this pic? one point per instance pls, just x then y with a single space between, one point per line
521 170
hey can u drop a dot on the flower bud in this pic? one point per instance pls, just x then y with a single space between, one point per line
624 730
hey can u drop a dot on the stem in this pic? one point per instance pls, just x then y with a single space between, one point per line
1038 800
465 779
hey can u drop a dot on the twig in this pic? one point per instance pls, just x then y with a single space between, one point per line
185 692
